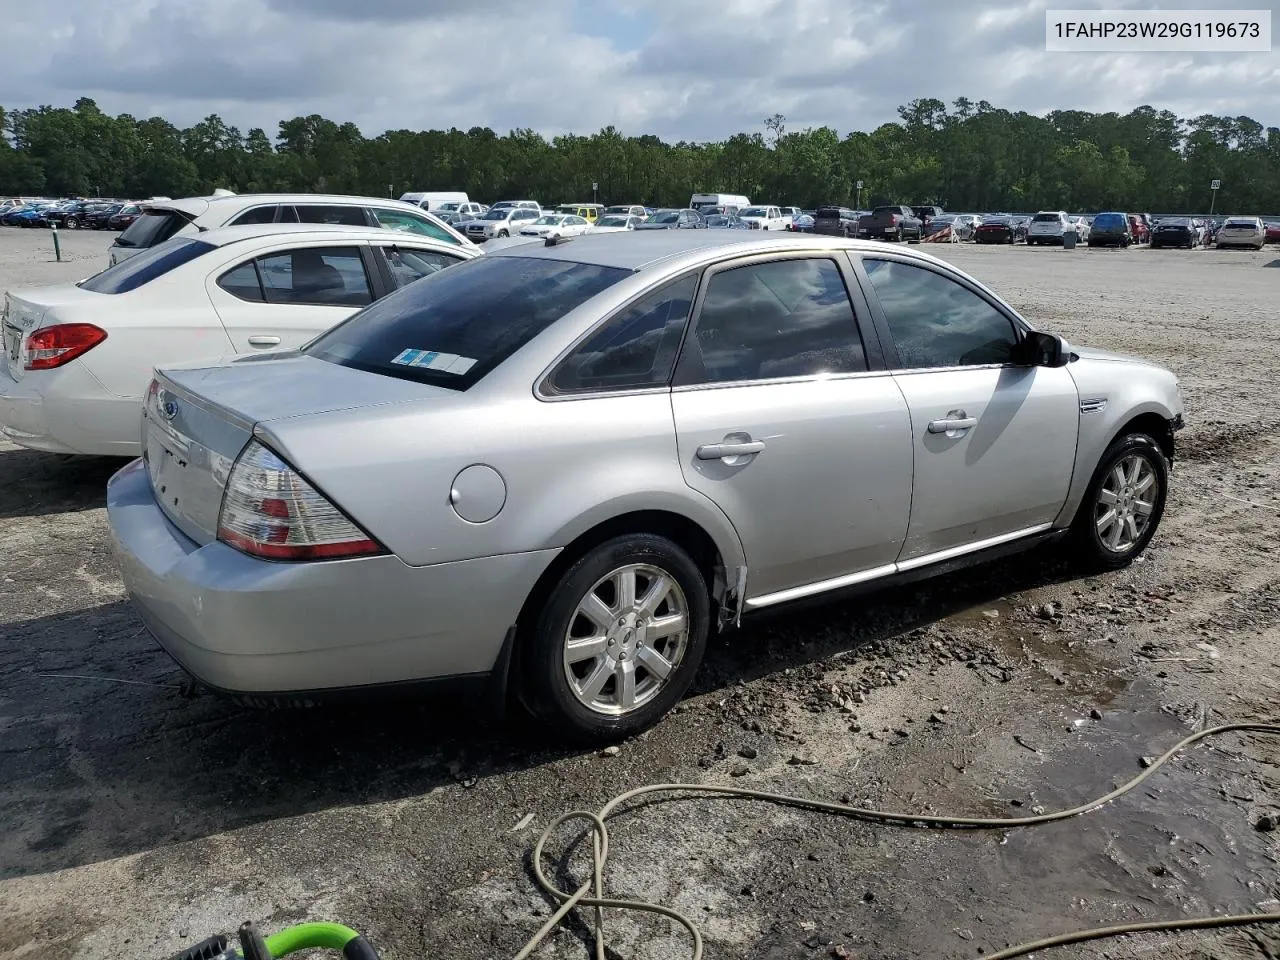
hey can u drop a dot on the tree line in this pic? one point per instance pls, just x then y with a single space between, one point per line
971 156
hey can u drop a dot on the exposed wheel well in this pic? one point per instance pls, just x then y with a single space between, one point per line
681 530
1155 426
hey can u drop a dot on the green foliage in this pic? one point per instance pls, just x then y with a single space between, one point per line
971 157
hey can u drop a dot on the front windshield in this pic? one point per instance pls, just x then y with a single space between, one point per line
622 210
671 217
754 212
550 221
449 206
612 222
498 214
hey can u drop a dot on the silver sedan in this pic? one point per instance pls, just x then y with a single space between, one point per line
556 469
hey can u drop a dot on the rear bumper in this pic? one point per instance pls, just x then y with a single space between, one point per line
250 626
67 411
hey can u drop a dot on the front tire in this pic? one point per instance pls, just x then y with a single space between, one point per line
1122 508
618 639
73 223
502 234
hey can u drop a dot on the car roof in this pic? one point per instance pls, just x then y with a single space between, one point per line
221 236
636 250
198 206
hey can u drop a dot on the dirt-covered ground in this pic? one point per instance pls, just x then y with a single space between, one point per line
138 819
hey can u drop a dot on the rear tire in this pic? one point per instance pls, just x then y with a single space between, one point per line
1122 507
587 699
73 223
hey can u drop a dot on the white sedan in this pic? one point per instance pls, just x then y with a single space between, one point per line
616 223
557 225
79 357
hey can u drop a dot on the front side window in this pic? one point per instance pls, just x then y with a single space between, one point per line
451 328
146 266
937 322
789 318
635 349
320 276
408 265
408 222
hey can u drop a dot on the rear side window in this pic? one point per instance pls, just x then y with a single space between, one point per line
789 318
321 213
403 220
319 276
144 267
152 227
635 349
453 327
243 282
257 215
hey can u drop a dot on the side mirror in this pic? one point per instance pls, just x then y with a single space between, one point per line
1044 350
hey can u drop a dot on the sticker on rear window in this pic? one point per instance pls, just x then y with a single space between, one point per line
434 360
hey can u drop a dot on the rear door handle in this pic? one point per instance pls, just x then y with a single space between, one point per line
735 448
946 426
264 341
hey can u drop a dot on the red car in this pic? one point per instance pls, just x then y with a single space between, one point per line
1138 227
129 213
1273 230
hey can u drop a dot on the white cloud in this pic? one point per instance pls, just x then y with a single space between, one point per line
683 69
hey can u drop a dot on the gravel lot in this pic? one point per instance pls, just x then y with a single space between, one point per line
139 818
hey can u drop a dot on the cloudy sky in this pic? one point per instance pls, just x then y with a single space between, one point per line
691 69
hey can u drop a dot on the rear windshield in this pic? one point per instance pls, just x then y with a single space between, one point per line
831 213
154 226
1110 220
897 210
1046 218
146 266
1251 224
453 327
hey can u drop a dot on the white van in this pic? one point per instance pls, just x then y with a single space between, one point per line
700 200
430 200
163 219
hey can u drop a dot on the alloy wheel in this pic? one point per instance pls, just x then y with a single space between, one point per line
626 639
1126 500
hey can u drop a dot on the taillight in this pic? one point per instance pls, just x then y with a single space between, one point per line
53 346
270 511
893 219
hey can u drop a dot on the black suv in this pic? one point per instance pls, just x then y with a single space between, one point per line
835 221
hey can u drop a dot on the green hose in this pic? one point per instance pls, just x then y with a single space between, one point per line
310 936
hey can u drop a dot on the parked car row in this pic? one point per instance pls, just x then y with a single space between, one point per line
353 418
70 214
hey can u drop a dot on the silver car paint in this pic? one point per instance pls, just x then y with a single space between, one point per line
387 451
248 625
1130 388
1009 472
827 496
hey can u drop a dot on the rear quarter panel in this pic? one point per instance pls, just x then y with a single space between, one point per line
567 465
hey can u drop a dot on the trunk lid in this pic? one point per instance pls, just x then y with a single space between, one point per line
197 419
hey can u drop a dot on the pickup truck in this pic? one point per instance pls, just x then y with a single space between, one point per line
765 218
891 223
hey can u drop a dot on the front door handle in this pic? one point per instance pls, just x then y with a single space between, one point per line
952 424
264 341
729 448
